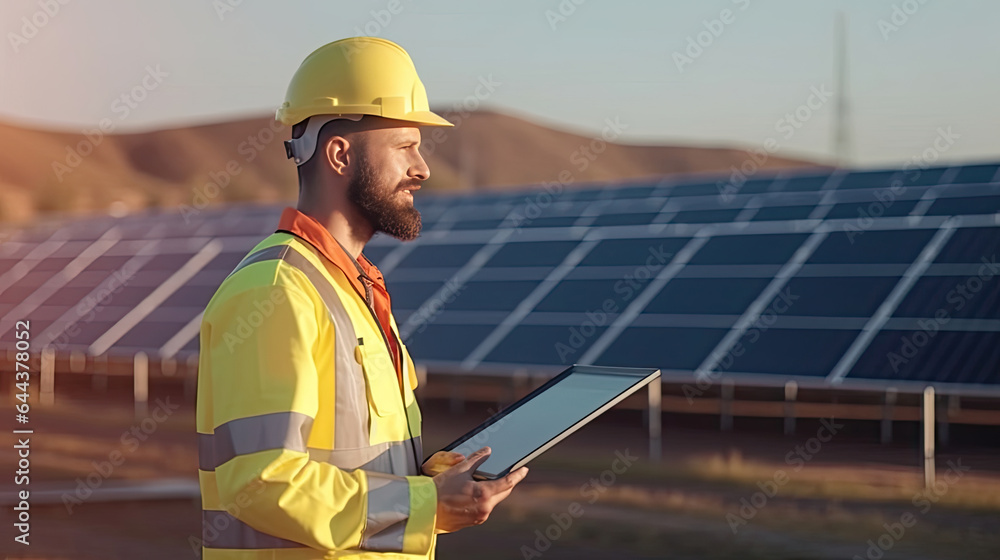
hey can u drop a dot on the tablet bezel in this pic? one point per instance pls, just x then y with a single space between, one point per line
642 377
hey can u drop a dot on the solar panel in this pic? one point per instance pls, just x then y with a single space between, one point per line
585 195
580 295
624 219
619 206
543 344
84 333
971 245
753 186
20 290
376 253
192 296
749 249
619 252
844 296
133 294
866 180
541 253
425 256
961 297
699 189
977 174
550 221
802 184
773 213
225 261
67 296
811 352
166 262
662 347
726 296
151 335
884 246
410 295
643 191
478 224
923 355
965 205
705 216
8 263
914 176
443 342
52 265
869 209
490 296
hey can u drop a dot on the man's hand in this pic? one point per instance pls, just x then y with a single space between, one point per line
462 501
440 462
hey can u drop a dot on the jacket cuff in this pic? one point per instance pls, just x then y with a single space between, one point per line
419 535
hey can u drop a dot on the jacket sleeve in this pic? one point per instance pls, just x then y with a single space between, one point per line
264 386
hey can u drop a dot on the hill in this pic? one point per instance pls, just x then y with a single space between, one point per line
44 171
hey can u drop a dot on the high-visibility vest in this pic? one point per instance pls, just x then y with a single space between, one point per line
309 442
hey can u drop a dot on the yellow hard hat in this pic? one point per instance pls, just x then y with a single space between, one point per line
348 79
358 76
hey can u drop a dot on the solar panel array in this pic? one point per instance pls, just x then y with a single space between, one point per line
840 277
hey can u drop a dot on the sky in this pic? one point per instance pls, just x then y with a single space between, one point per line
684 72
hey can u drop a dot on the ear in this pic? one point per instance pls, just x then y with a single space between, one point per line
337 154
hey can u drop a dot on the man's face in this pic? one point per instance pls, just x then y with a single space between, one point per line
388 168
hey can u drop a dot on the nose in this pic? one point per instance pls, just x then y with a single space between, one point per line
419 170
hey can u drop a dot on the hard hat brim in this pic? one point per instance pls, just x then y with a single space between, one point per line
425 118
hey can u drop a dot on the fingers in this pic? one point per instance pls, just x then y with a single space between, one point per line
518 475
435 469
441 461
449 457
506 483
474 460
511 480
453 458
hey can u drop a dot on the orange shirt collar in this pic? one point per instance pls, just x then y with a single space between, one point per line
306 227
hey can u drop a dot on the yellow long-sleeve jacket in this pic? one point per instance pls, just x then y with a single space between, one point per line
309 433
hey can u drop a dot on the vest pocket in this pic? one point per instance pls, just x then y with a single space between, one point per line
380 381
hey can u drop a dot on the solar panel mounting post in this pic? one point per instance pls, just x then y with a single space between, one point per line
791 393
929 437
140 384
48 375
421 378
887 406
655 413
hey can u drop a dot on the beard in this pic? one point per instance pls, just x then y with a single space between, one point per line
382 205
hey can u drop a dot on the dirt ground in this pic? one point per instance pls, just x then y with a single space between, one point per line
750 493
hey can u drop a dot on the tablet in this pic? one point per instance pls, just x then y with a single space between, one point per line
547 415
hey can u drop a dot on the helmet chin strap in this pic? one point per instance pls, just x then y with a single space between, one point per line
302 148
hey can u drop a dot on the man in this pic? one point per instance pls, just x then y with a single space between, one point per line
309 434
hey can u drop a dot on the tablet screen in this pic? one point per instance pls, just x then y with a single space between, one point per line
522 430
